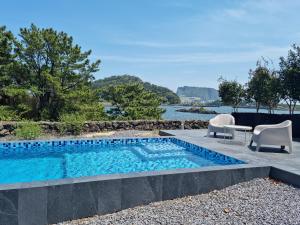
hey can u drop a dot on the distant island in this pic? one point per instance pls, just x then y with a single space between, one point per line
200 110
169 97
197 94
216 103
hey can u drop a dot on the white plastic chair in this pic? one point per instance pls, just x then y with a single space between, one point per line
276 134
217 123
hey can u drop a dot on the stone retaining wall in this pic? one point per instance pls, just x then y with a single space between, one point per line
7 128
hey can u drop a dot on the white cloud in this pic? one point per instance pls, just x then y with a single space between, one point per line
256 11
235 13
154 44
203 57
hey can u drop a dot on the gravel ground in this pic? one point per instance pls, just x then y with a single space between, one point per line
260 201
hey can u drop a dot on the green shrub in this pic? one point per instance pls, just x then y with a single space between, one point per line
92 112
8 114
28 130
71 123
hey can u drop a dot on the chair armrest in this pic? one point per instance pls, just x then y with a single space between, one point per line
268 126
260 128
273 132
211 121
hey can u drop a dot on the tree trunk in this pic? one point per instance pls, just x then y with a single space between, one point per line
293 107
257 107
270 109
289 103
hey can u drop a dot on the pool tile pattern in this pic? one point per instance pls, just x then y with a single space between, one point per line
31 146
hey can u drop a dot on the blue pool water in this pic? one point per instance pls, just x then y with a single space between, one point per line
47 160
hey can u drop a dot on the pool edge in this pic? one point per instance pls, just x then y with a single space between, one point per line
78 198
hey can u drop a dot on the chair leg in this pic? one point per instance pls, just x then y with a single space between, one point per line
251 142
257 147
208 133
290 148
215 134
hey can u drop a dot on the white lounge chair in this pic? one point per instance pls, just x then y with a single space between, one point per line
276 134
217 123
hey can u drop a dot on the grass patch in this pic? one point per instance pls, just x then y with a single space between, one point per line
28 130
71 123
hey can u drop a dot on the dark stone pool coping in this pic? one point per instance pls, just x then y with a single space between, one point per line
67 199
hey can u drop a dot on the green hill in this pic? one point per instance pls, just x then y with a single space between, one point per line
204 93
169 96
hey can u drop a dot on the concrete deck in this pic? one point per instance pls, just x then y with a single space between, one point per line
268 156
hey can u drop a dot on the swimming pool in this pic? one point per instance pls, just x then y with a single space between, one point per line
47 160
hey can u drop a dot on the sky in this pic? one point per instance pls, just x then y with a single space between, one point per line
168 42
